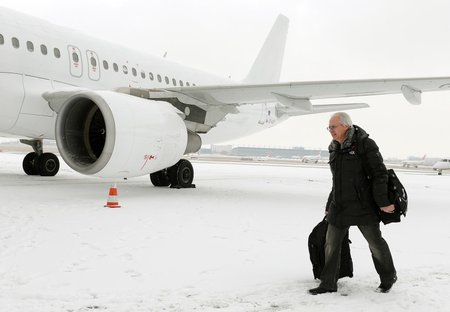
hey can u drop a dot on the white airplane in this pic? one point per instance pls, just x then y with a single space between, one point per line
115 112
443 164
414 163
312 158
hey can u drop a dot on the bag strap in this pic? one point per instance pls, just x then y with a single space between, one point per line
361 152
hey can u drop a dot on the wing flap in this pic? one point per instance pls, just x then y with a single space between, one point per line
324 108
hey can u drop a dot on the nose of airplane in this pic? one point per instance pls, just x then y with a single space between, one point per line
441 165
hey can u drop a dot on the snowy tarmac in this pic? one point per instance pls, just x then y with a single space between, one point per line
237 242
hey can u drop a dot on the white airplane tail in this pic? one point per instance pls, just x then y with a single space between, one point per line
267 66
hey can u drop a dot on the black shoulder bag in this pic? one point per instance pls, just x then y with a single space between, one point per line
396 193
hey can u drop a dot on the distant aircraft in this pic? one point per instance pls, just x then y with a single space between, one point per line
312 158
443 164
414 163
115 112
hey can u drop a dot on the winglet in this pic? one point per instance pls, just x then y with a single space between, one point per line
267 66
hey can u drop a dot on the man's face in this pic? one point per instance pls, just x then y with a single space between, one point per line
337 130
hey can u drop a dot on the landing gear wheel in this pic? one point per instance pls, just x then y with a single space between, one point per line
29 164
160 178
181 174
47 164
38 162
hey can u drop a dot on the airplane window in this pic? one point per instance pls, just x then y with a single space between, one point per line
166 79
15 42
125 69
174 81
159 78
93 62
181 83
134 71
143 75
2 40
105 65
44 49
187 84
57 53
150 75
194 84
116 68
30 46
75 57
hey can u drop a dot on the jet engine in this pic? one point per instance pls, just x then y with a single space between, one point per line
110 134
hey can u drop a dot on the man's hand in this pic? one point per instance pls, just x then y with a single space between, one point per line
388 209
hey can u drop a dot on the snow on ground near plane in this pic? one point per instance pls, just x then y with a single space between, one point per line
238 242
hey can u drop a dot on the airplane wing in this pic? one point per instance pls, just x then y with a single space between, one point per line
297 92
247 94
294 98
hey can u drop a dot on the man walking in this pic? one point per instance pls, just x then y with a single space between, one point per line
359 190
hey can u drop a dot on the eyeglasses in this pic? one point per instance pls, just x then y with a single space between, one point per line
332 127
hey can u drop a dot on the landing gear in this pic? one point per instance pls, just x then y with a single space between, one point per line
160 178
178 176
38 162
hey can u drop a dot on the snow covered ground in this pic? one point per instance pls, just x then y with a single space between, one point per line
238 242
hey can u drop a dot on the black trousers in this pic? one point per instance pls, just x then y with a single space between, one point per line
381 254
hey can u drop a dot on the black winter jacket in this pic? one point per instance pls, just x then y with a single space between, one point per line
359 181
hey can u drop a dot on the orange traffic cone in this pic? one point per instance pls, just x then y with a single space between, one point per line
112 198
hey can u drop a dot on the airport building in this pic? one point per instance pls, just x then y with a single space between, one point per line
251 151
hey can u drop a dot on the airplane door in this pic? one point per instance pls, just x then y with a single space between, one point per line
93 65
76 62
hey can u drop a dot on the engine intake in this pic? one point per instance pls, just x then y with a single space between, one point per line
110 134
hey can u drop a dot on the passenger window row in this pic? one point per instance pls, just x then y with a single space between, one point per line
57 53
143 75
30 46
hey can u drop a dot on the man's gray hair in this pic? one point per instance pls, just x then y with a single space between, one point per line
344 119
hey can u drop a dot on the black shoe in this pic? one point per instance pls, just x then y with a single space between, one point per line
320 290
386 287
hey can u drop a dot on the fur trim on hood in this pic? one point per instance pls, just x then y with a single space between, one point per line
351 136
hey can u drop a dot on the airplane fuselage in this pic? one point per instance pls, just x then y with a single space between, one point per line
38 57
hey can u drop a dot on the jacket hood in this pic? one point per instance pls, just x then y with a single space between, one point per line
355 133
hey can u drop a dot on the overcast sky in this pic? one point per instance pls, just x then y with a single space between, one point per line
327 40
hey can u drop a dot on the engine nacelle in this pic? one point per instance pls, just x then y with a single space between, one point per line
109 134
